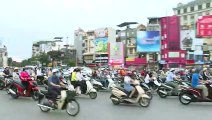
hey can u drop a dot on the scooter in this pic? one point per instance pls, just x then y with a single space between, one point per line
16 89
119 95
165 90
146 89
97 85
66 102
5 82
89 91
189 94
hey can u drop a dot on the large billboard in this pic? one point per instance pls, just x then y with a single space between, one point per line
187 37
148 41
101 44
116 53
204 26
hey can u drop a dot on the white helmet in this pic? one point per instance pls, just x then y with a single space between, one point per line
55 70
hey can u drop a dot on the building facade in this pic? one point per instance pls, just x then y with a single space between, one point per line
79 35
190 12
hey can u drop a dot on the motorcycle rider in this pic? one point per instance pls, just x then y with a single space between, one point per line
24 76
204 75
16 74
127 84
196 83
55 85
6 71
170 78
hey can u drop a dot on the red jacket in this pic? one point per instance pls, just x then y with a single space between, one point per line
24 76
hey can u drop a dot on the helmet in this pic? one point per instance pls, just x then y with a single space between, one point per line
172 69
55 70
204 69
16 68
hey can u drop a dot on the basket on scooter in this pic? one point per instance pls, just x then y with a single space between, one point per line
71 94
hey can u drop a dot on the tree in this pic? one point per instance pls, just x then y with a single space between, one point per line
10 61
71 63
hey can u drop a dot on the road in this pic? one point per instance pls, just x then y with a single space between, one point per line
103 109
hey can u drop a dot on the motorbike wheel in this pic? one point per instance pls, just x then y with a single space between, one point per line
35 95
144 102
182 99
2 84
15 96
93 95
161 94
114 101
43 109
73 108
149 94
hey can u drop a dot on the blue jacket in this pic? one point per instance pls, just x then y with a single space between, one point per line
195 80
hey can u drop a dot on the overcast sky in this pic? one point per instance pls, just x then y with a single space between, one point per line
25 21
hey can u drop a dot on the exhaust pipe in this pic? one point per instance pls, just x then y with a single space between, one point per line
161 91
11 91
45 106
186 97
115 99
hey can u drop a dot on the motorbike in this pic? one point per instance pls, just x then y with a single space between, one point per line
189 94
119 95
66 102
89 91
98 85
16 89
5 82
165 90
147 89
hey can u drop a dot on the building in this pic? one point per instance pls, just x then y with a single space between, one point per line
79 35
190 12
89 49
171 54
40 47
3 56
128 37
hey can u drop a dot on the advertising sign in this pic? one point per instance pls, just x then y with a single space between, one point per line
148 41
101 33
204 26
116 53
186 38
101 44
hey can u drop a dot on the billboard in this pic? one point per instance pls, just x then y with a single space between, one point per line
116 53
204 26
101 44
148 41
186 38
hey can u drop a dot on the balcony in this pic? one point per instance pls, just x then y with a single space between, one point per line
131 45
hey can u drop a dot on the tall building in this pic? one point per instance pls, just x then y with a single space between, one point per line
190 12
79 35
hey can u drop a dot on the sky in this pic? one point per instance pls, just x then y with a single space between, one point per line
25 21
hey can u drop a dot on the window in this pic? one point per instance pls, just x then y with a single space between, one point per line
185 10
185 17
199 7
178 12
131 50
208 5
192 9
192 17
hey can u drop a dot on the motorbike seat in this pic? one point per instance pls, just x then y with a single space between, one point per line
19 83
122 89
199 90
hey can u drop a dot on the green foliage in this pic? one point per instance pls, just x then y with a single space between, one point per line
71 63
10 61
